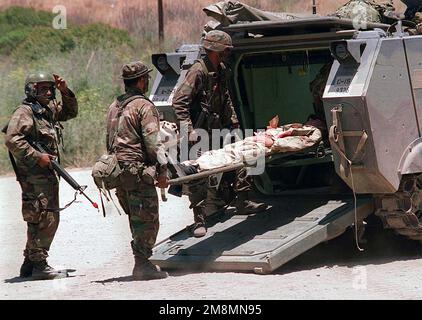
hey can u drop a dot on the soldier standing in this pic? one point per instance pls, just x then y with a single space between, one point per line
37 120
205 90
132 134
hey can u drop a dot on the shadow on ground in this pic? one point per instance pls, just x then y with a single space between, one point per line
17 280
65 273
111 280
382 246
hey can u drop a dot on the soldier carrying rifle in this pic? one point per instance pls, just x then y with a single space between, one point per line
203 102
37 120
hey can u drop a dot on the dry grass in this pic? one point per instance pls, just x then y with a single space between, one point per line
183 18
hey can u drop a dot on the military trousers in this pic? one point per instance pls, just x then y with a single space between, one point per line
231 183
141 206
40 204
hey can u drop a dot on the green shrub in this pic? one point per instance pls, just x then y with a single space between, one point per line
89 57
9 40
17 17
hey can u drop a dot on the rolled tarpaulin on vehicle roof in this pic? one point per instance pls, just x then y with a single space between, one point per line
232 12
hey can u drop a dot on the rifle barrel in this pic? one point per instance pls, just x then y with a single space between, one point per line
66 176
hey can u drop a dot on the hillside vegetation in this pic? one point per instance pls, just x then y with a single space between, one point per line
101 36
88 56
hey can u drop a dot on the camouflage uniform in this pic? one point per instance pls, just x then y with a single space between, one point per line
206 86
134 138
40 188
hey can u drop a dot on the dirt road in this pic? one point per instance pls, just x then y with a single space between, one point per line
99 249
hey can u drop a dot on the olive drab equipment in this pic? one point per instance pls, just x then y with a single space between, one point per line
205 115
106 171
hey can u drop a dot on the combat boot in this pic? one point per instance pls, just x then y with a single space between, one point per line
42 271
245 206
198 228
26 268
145 270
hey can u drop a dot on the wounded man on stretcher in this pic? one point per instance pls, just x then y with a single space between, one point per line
290 138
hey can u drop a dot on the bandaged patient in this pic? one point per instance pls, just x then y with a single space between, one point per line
289 138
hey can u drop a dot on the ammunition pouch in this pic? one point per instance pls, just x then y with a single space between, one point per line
134 174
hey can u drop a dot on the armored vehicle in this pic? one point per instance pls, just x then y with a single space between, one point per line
370 161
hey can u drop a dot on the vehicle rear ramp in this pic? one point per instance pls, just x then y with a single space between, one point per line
261 242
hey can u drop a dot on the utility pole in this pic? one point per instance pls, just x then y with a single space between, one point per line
160 24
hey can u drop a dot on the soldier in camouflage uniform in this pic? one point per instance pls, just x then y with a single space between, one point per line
132 134
205 87
37 120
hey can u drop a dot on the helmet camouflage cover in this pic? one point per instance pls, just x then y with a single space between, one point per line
217 40
133 70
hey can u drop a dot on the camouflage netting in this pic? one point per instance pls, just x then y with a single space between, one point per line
368 10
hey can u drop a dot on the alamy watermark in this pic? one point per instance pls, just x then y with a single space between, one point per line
60 20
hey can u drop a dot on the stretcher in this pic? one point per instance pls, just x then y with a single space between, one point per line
276 143
205 174
310 155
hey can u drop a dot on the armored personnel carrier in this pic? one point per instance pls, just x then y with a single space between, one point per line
370 162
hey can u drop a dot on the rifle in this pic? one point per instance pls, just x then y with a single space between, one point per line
64 174
202 116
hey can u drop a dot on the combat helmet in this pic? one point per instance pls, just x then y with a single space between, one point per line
36 77
217 40
134 70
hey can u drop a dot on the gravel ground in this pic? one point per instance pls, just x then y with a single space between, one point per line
99 249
